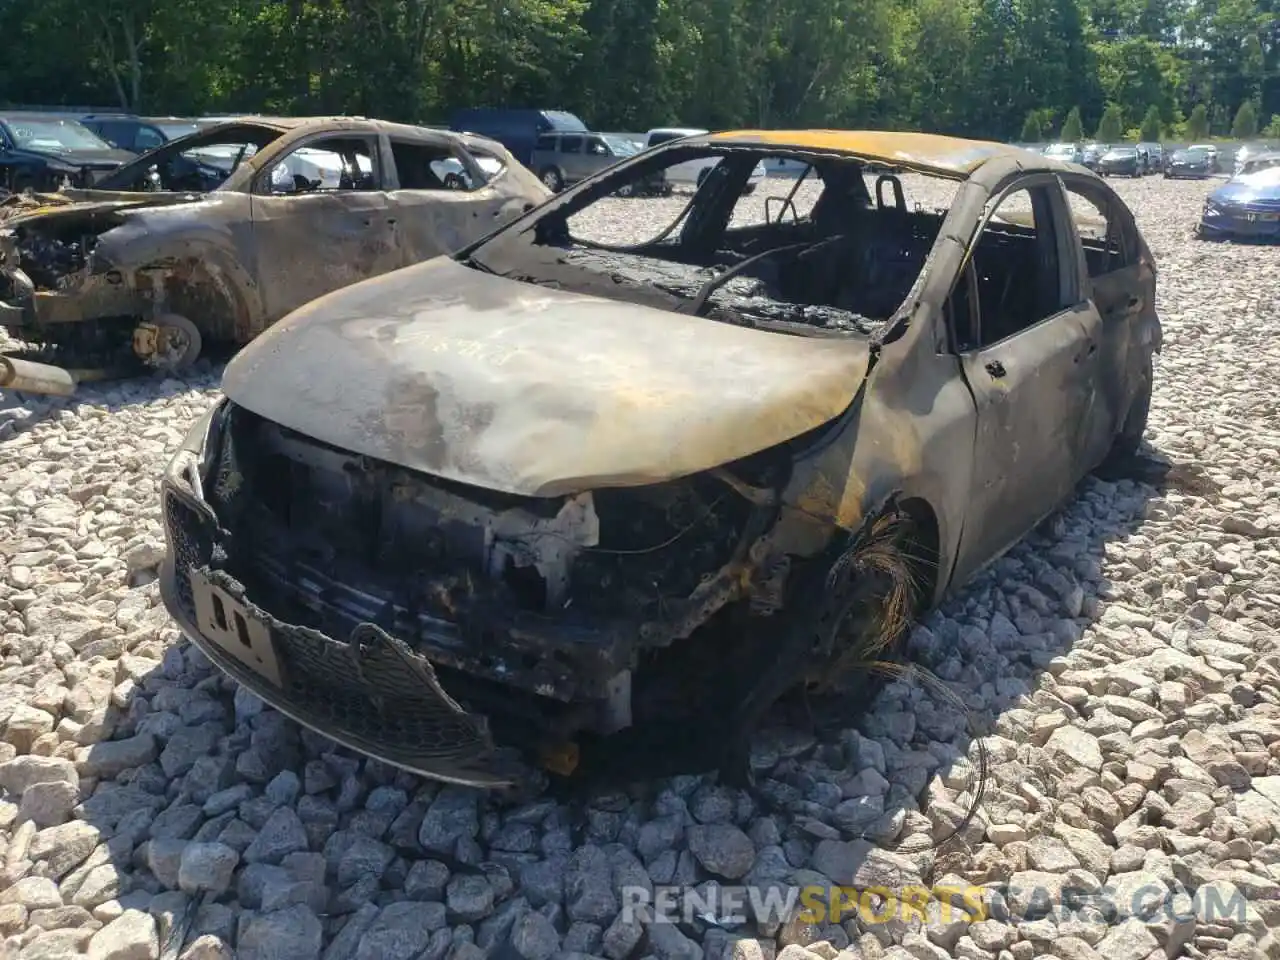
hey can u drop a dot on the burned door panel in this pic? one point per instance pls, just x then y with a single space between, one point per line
321 221
435 222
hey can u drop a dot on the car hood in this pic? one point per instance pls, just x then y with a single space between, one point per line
97 159
1246 189
17 209
533 391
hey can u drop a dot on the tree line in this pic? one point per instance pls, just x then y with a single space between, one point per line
1005 69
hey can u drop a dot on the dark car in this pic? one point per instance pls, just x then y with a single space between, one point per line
138 134
1092 153
1246 207
1193 163
1153 154
1120 162
518 130
41 151
607 504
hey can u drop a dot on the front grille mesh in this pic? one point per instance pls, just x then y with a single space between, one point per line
379 696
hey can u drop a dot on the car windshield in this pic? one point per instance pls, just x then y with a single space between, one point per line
175 130
1122 152
60 136
621 146
1195 153
1264 177
1060 149
771 253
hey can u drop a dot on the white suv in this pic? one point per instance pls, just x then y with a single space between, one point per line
693 172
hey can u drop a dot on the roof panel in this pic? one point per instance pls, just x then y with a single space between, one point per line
926 151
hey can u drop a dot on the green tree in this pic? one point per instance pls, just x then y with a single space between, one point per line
1031 130
1111 126
1072 128
1198 123
1150 130
1246 122
1272 129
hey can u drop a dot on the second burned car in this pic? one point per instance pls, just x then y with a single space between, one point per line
597 500
215 235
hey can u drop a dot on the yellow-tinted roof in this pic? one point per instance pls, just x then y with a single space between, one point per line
926 151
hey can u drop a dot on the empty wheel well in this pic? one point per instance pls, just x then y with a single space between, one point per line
924 548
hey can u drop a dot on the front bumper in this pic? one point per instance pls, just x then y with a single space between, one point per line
371 693
1237 223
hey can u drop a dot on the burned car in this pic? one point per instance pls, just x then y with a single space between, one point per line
586 501
215 235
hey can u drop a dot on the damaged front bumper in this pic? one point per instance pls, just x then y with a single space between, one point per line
368 691
382 678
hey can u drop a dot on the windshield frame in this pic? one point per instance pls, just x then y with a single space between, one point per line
91 140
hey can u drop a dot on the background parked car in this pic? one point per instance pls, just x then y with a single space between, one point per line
1154 157
1192 162
1120 162
1092 153
1067 152
138 134
40 151
1210 151
1247 152
1246 206
517 130
693 172
562 159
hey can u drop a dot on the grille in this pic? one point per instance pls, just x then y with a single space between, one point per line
374 694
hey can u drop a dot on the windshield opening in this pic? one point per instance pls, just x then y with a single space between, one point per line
830 247
59 136
175 130
196 165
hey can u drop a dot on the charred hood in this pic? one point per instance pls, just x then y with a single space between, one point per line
534 391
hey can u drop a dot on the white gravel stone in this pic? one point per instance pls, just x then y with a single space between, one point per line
131 936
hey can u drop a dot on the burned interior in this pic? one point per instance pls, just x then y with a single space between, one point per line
841 268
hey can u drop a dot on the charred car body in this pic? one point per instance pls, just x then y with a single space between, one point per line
562 495
216 235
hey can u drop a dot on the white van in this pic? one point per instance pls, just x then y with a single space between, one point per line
692 172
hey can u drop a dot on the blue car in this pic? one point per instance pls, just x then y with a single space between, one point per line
1247 206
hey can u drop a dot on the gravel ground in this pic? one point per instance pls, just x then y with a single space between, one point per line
1120 665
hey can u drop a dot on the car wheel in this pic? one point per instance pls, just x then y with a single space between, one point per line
552 178
453 182
749 189
626 190
172 342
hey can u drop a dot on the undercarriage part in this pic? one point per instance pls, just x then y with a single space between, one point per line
169 342
27 376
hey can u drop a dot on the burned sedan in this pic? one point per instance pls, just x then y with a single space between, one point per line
563 497
215 235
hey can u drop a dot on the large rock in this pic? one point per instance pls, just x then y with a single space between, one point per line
451 817
130 936
1076 745
860 864
722 849
281 835
21 772
207 867
401 931
294 933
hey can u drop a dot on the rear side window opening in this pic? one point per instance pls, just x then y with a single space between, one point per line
830 247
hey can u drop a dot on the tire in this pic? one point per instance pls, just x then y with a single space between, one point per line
552 179
186 343
626 190
453 182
